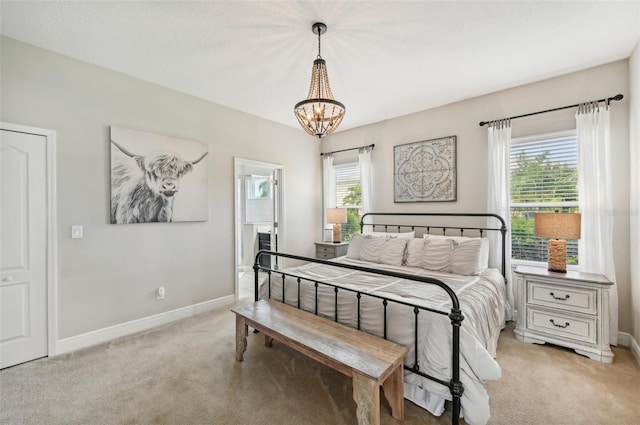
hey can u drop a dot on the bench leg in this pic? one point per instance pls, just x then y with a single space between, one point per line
366 393
241 336
268 341
394 392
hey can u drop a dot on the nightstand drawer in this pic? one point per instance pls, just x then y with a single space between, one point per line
582 300
564 326
325 249
325 255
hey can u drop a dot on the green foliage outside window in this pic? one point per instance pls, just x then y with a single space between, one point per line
353 198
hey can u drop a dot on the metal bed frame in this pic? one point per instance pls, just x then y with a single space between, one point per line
455 386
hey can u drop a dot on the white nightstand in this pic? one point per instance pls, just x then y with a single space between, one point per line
328 250
567 309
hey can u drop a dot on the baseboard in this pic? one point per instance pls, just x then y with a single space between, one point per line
627 340
624 339
99 336
635 349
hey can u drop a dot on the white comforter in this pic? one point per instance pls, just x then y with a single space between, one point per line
482 300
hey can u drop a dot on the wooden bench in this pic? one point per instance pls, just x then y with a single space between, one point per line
370 361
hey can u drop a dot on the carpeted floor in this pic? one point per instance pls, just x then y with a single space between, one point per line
185 373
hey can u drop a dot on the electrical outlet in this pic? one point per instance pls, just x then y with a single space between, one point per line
77 232
160 293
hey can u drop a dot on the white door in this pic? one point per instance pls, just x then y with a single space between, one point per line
23 247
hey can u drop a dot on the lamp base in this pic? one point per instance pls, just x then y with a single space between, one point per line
557 256
337 233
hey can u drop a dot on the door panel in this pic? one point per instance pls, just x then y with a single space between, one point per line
23 249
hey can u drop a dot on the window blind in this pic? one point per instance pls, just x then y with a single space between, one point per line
349 195
544 178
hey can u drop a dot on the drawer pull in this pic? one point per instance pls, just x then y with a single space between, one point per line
566 297
566 324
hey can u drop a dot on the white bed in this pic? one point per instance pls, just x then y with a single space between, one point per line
480 291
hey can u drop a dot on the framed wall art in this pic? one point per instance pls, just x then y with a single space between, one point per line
157 178
425 171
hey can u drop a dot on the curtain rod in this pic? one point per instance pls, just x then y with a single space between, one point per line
608 100
350 149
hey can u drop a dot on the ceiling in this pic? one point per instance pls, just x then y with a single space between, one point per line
385 58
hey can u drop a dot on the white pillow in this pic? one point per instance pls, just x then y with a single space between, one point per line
465 257
415 248
436 254
371 248
355 247
484 247
406 235
392 252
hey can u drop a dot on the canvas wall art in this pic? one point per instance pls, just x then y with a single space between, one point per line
157 178
425 171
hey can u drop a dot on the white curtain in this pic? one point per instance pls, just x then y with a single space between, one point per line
328 186
364 159
498 196
594 186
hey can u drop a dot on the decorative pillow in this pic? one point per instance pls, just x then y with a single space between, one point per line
484 247
436 254
371 248
392 252
466 257
415 248
355 247
405 235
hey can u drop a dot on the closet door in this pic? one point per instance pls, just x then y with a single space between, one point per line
23 247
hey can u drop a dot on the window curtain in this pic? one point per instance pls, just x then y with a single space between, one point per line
364 160
498 195
594 186
328 186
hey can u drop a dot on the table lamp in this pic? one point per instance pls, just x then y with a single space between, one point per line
557 227
336 216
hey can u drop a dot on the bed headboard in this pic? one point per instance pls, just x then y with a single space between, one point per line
451 224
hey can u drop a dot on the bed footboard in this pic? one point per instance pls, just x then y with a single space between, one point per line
455 315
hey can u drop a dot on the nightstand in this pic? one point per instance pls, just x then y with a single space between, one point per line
327 250
567 309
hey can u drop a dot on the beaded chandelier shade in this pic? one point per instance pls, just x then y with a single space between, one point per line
320 114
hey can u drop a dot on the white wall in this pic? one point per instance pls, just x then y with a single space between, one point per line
462 118
634 204
109 277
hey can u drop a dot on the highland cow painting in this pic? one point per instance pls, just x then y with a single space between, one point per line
157 178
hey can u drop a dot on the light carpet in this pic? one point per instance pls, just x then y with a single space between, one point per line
185 373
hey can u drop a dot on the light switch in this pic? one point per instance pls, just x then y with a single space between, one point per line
76 232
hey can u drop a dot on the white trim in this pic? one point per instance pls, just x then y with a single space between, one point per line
516 262
52 234
99 336
635 349
627 340
237 163
624 339
562 134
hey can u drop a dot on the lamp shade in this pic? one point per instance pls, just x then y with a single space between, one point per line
336 215
557 225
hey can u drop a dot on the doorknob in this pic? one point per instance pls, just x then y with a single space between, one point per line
7 279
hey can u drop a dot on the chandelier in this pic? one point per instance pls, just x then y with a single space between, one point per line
320 114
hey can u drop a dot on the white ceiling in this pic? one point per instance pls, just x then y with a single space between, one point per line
385 58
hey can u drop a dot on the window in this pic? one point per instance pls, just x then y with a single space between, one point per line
544 178
349 195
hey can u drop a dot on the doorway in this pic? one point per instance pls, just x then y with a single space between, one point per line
27 247
259 212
